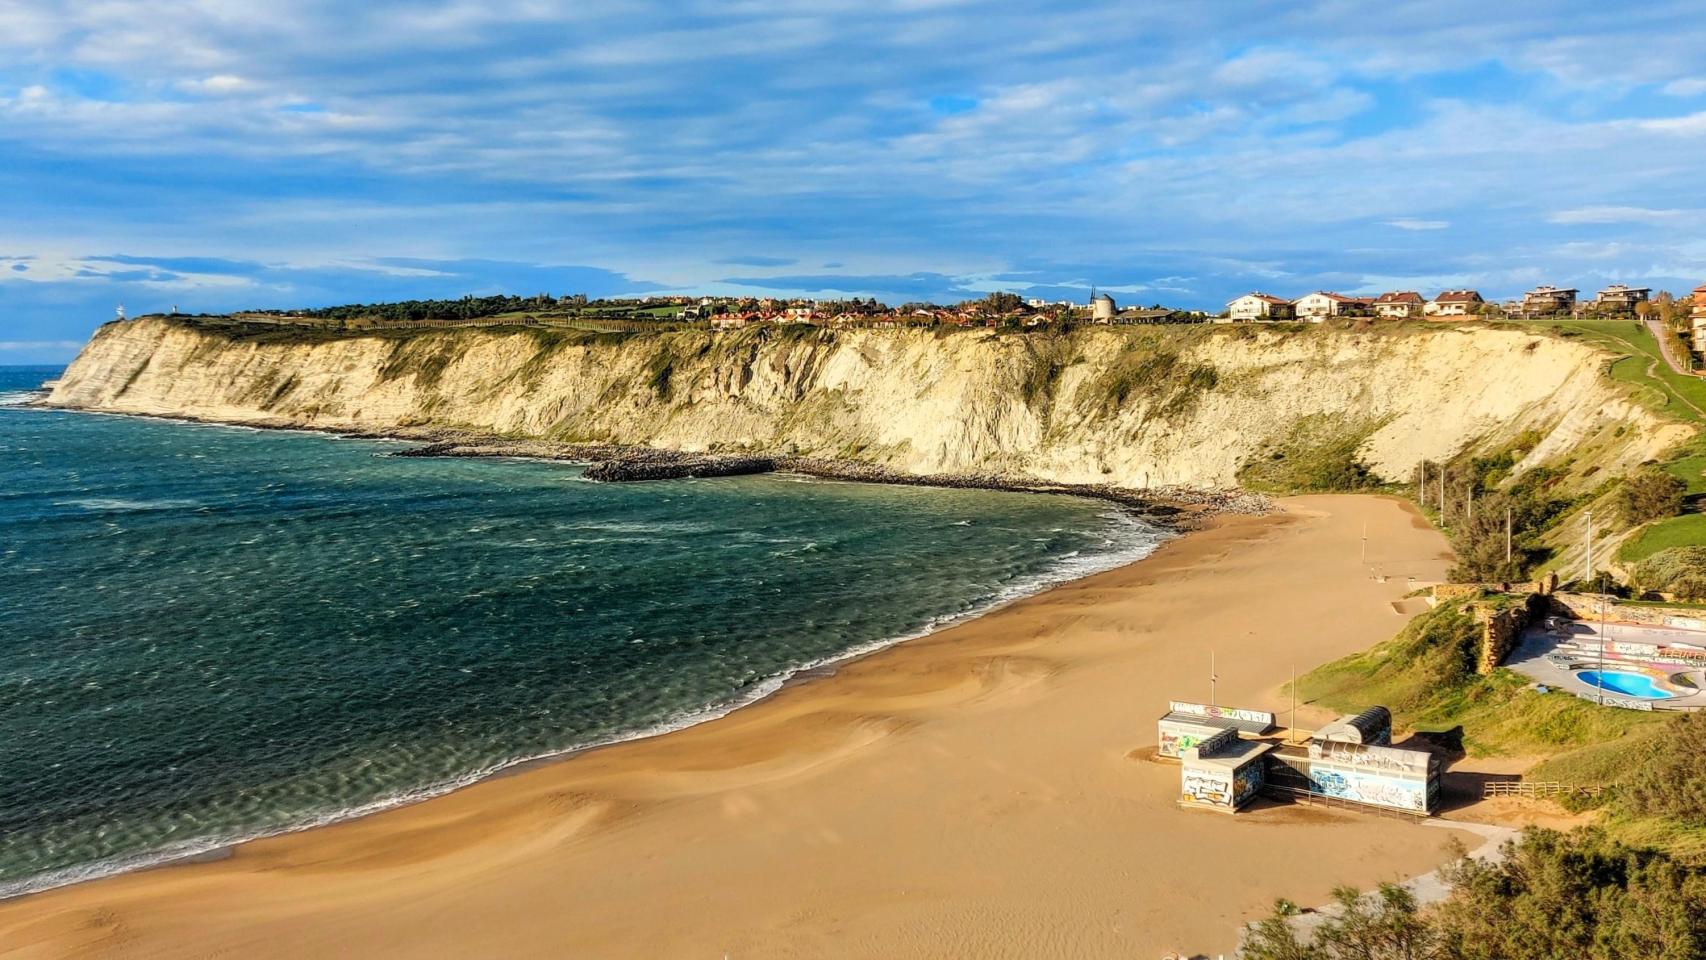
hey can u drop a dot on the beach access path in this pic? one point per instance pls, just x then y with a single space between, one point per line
985 791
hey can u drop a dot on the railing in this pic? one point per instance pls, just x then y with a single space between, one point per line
1530 788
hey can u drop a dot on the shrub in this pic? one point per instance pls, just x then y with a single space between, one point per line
1668 780
1649 495
1577 895
1680 571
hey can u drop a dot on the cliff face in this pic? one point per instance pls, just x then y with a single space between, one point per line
1134 407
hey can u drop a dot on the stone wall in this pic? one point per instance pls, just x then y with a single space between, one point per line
1582 606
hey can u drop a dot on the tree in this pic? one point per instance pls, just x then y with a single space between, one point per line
1651 494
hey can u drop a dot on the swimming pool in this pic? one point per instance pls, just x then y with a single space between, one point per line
1625 684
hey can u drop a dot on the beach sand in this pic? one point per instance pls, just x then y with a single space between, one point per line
982 792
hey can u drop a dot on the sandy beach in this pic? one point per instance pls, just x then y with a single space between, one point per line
980 792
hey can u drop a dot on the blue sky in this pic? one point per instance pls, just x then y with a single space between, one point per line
217 154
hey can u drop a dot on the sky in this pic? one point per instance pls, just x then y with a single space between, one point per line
223 154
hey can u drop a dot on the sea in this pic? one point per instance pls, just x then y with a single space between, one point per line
210 634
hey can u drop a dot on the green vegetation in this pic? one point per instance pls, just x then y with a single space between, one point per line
1322 453
1648 495
1156 373
1677 571
1663 389
1582 895
1426 675
1685 531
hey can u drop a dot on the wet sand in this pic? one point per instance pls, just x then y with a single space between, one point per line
980 792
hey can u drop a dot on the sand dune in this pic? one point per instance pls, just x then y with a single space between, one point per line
980 792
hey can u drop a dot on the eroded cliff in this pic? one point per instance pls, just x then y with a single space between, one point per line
1196 406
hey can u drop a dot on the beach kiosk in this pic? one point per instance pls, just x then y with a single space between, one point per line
1372 726
1351 760
1223 772
1187 724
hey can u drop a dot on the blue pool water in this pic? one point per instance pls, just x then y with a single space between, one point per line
1625 684
213 633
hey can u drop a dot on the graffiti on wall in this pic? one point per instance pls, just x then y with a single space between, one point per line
1364 787
1198 785
1414 762
1246 782
1175 741
1224 713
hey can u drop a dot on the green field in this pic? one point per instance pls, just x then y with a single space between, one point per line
1679 395
1687 530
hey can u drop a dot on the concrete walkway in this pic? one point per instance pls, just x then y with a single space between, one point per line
1669 348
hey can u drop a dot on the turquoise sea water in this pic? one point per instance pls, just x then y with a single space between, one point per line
214 633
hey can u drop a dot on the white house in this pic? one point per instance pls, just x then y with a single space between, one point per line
1321 304
1454 303
1259 306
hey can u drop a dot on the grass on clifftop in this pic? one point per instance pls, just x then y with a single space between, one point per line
1660 388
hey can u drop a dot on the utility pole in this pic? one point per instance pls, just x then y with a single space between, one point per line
1365 542
1442 496
1422 486
1293 737
1212 679
1507 536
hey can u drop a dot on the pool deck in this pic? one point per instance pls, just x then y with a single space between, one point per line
1546 655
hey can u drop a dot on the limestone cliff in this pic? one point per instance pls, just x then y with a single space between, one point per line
1128 406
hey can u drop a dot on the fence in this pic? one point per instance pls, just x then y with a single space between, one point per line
1529 788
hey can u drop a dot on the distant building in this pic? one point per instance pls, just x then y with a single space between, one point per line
1154 315
1618 298
799 315
1398 304
1102 308
732 321
1259 306
1315 306
1547 300
1697 320
1454 303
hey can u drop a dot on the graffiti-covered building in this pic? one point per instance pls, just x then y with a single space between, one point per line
1224 772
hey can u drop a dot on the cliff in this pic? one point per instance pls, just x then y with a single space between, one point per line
1199 406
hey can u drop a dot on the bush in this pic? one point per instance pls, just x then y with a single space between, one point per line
1679 571
1668 780
1649 495
1554 895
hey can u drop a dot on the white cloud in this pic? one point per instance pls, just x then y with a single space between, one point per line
1406 223
219 84
1685 87
1611 214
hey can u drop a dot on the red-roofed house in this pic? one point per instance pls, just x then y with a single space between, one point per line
1259 306
1322 304
1398 304
1454 303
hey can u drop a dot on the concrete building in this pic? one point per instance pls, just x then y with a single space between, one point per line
1259 306
1187 724
1102 308
1546 301
1399 304
1454 303
1224 772
1618 298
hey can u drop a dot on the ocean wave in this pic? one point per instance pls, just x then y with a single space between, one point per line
18 398
121 505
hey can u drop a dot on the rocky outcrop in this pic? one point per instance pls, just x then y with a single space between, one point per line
1124 407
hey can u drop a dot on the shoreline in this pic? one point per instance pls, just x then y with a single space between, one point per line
891 753
822 669
1180 508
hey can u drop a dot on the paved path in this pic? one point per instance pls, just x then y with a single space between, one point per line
1669 348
